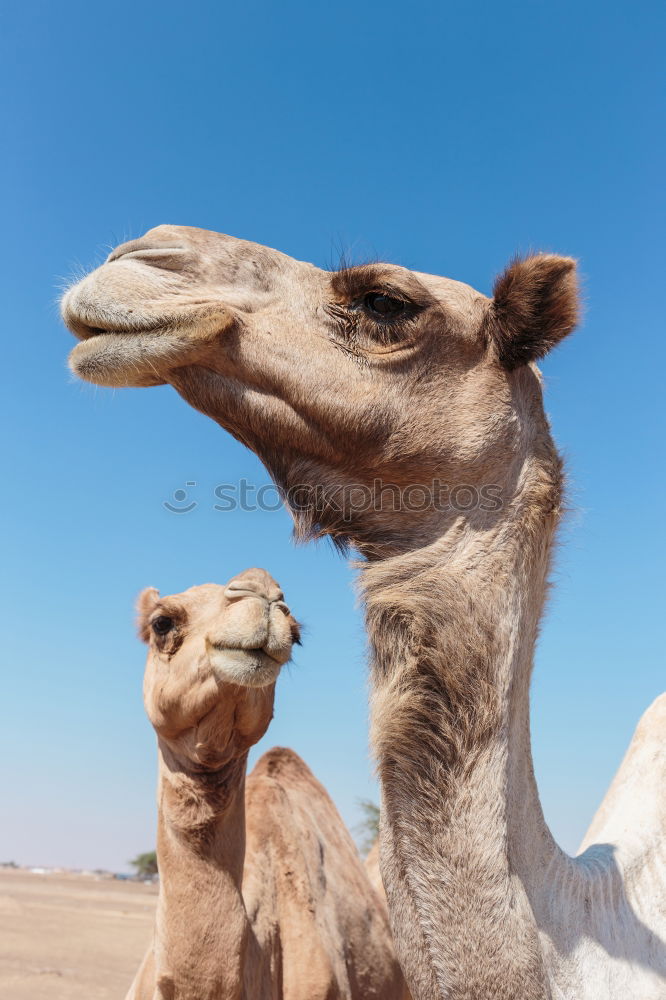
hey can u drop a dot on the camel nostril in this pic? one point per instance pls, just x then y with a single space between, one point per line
237 590
171 257
255 583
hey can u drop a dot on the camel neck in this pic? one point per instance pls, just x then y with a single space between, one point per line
452 629
202 929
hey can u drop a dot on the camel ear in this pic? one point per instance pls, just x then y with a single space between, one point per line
535 305
145 604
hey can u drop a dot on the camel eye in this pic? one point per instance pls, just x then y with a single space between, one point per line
383 306
162 624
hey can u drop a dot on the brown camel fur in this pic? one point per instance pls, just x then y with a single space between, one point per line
402 413
262 893
373 871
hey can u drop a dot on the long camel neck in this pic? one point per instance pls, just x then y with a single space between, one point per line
452 628
202 929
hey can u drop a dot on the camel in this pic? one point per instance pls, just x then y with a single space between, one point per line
373 872
262 892
402 414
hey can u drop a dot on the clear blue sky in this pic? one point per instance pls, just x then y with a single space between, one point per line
443 136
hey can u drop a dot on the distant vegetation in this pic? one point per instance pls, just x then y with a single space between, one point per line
145 864
368 828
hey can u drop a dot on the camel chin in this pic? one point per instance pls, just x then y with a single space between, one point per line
120 360
246 667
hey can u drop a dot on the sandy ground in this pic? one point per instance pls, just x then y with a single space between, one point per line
65 937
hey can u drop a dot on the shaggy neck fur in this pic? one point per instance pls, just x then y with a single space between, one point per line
200 849
452 628
483 903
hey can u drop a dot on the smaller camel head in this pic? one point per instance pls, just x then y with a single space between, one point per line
214 654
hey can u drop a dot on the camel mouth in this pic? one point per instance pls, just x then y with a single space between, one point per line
254 652
123 345
84 331
253 667
87 321
121 350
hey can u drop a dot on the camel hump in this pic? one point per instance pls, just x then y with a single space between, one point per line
302 813
652 723
281 762
304 883
634 809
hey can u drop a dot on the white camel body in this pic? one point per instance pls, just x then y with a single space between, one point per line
622 944
373 381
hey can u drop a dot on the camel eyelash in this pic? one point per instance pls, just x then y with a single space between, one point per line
351 284
368 304
354 325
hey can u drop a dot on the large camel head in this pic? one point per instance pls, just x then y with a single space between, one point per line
354 387
214 654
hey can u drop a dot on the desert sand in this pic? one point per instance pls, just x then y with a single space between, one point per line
66 936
